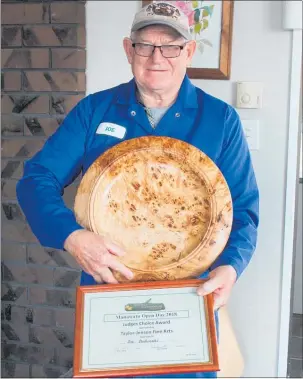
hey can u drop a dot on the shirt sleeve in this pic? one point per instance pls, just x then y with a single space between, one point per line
236 166
40 190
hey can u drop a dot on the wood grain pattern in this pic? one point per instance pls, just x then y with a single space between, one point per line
163 201
211 365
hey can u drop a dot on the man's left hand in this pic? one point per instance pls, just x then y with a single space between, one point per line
220 282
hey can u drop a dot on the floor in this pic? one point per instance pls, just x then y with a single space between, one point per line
295 363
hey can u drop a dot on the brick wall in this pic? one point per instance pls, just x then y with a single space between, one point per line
43 77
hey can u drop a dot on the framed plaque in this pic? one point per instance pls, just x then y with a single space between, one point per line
144 328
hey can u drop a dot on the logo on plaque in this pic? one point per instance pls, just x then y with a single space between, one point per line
147 306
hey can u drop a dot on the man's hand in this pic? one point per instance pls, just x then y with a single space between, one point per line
96 255
220 282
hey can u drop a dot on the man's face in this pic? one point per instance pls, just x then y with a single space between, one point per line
157 72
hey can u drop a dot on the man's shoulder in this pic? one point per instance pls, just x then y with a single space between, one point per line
213 103
108 94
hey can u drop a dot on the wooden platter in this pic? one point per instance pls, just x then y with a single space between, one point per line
163 201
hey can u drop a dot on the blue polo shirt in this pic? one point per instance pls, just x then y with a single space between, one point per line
202 120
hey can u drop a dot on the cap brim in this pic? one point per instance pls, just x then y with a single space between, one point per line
142 24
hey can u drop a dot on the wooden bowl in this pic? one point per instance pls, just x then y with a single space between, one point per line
163 201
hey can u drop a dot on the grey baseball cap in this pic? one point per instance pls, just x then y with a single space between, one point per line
162 13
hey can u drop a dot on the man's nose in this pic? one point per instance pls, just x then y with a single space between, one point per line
157 55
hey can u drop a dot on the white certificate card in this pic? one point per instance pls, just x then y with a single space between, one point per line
138 328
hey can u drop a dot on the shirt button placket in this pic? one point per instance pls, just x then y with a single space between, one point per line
177 114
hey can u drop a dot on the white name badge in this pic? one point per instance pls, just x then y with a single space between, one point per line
111 129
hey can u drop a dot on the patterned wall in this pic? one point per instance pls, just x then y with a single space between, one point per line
43 77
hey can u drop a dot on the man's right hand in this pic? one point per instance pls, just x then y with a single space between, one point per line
96 255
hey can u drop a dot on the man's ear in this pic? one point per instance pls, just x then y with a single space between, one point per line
127 44
190 50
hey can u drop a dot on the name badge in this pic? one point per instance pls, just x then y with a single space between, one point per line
110 129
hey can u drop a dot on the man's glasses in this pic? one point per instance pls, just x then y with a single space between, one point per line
167 51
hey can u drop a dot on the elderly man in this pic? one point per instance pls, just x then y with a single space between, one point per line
160 100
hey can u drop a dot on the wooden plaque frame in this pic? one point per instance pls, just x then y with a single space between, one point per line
211 365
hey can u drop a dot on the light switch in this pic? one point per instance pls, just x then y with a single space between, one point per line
251 131
249 94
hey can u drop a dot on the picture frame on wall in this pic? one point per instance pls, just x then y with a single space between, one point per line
211 25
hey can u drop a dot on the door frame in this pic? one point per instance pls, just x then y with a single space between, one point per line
290 202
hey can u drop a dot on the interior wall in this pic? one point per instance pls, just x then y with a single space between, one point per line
298 258
297 283
260 52
42 79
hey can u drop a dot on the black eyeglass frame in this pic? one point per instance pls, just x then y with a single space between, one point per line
181 47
